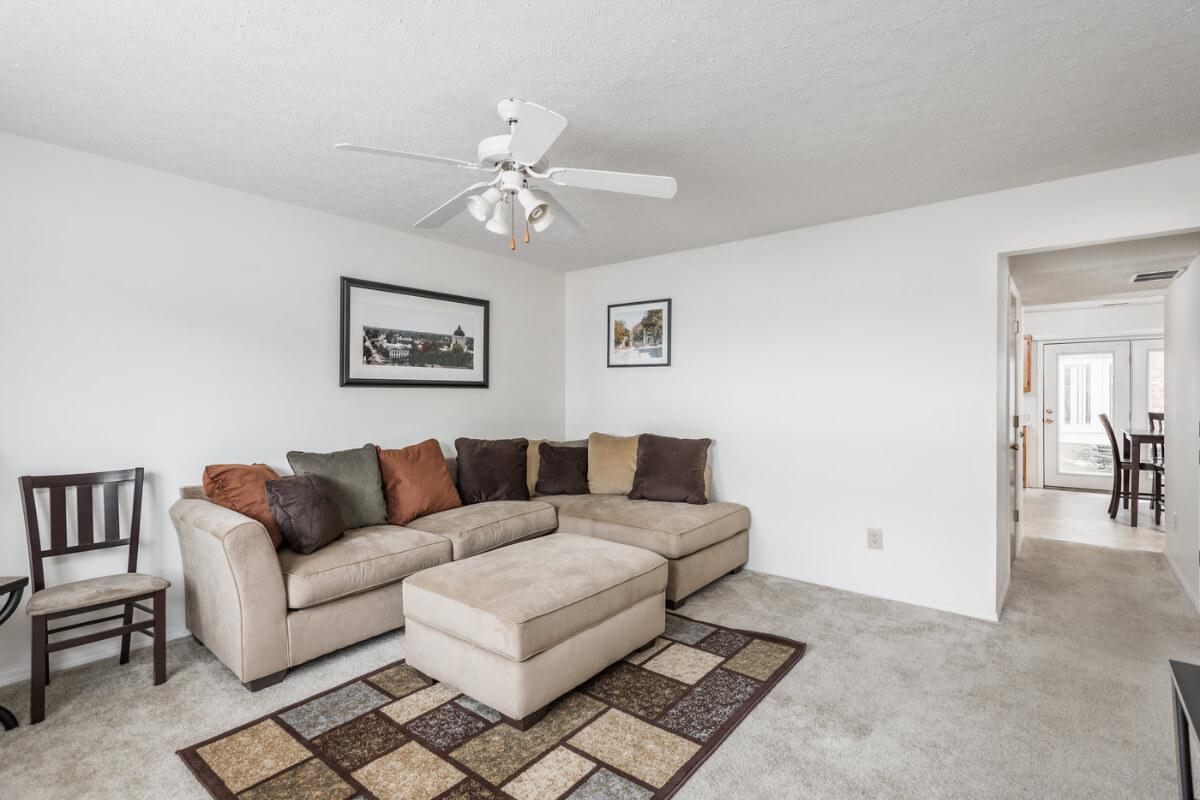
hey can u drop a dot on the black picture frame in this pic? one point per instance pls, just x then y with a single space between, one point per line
348 285
667 342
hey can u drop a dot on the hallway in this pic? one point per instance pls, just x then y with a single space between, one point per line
1082 517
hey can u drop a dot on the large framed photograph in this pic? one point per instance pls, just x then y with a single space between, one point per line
639 334
397 336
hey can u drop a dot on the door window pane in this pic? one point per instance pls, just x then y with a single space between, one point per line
1156 381
1085 390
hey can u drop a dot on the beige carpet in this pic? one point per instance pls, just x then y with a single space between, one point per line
1067 697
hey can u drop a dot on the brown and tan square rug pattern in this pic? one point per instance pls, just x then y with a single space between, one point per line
636 731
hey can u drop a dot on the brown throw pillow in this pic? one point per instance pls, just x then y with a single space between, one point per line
670 469
416 482
304 508
240 487
562 470
492 469
612 460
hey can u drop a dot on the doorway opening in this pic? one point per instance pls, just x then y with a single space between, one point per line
1092 348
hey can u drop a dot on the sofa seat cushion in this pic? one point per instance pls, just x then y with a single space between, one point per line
560 500
363 559
523 599
672 530
483 526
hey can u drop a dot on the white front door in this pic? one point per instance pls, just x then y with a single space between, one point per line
1081 381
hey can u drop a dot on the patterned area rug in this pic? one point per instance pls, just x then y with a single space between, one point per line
636 731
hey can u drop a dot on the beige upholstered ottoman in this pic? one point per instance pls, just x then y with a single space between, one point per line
518 627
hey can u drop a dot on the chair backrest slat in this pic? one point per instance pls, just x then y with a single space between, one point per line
58 517
112 513
83 514
84 484
1158 424
1112 440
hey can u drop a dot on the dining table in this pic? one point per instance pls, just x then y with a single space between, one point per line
1133 439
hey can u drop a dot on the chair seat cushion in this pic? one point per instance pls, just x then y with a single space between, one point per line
520 600
363 559
93 591
483 526
672 530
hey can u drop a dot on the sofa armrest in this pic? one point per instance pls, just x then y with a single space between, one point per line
233 587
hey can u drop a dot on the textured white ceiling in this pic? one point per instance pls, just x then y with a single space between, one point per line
772 115
1102 270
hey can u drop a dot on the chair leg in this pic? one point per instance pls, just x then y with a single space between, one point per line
37 684
1125 487
1114 502
125 639
46 658
160 637
1158 509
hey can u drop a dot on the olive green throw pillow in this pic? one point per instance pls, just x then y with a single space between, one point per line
353 479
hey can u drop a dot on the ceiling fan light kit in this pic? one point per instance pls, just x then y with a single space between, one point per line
515 159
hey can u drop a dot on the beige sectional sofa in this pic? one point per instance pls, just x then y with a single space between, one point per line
262 611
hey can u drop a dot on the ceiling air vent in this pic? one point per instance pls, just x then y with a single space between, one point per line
1161 275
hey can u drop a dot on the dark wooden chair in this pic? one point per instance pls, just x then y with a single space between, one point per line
1122 468
1158 424
91 594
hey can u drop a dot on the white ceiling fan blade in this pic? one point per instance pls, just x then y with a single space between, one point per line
382 151
449 209
536 130
627 182
562 217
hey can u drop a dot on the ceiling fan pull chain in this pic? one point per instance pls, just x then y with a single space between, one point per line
526 233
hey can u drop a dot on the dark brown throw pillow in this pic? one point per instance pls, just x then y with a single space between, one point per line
670 469
562 470
305 511
491 469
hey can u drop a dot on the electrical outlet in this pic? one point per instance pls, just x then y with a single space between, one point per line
875 538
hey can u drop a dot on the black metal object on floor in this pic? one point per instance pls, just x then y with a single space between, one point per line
14 588
1185 685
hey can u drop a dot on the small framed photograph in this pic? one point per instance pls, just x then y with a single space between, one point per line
639 334
397 336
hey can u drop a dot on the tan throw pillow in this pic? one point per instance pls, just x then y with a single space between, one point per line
612 463
533 463
243 488
416 482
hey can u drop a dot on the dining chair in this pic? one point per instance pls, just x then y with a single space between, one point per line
123 590
1122 468
1158 424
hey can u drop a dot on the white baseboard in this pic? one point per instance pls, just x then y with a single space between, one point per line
79 656
1187 590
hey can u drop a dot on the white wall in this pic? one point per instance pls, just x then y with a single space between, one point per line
849 374
1183 429
150 320
1091 320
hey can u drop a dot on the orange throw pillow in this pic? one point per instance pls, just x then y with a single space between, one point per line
416 482
242 488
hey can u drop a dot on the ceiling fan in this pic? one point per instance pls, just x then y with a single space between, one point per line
515 159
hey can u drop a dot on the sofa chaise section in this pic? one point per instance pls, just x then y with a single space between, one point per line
700 542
